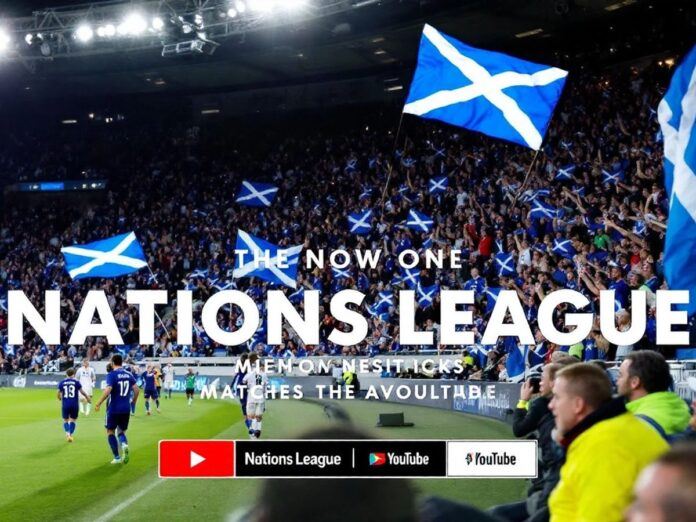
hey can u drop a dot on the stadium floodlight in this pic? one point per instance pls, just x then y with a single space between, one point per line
5 40
157 23
84 33
294 4
132 25
241 6
261 5
29 38
231 12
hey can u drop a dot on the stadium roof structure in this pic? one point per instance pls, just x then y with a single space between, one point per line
59 51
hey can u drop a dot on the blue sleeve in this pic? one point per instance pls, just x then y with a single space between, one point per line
110 379
79 386
132 380
60 384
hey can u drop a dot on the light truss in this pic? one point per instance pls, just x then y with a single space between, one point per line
56 27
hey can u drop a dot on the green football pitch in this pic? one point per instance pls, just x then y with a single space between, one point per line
43 477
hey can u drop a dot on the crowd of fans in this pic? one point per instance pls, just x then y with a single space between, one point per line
176 186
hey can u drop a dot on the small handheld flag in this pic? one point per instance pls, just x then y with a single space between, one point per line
254 194
266 261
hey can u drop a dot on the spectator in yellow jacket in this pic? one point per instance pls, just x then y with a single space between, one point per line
606 447
644 381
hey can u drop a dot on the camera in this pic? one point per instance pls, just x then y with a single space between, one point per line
535 381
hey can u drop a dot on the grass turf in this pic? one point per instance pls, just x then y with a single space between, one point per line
43 477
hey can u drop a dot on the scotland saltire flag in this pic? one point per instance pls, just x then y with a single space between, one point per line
340 273
253 194
676 114
437 185
426 295
640 228
419 221
565 173
112 257
536 356
491 298
612 177
564 248
359 222
504 265
411 276
384 301
516 360
263 260
297 296
484 91
542 210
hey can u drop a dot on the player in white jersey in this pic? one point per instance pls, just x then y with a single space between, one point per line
168 380
256 382
85 374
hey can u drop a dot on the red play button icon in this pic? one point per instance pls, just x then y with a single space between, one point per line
196 458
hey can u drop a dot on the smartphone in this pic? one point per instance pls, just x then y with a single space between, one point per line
535 382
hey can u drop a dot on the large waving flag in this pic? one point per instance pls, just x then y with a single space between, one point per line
254 194
484 91
263 260
112 257
677 113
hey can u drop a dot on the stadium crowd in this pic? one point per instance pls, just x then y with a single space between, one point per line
599 171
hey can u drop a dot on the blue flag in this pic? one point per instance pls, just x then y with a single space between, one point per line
112 257
253 194
564 248
359 222
411 276
419 221
612 177
676 114
565 173
384 301
504 265
437 185
266 260
484 91
426 295
515 364
542 210
491 298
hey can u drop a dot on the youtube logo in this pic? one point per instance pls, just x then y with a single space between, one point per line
196 458
378 459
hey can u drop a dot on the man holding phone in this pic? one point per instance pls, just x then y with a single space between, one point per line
533 419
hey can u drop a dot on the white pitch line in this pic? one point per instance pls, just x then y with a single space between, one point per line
130 500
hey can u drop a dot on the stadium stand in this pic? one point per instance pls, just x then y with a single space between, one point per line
600 173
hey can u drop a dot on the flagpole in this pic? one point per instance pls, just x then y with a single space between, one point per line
526 177
396 140
156 314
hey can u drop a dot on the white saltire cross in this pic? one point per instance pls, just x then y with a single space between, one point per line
100 258
483 84
255 194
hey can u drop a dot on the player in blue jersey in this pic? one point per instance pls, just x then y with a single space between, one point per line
239 388
69 391
149 378
119 384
